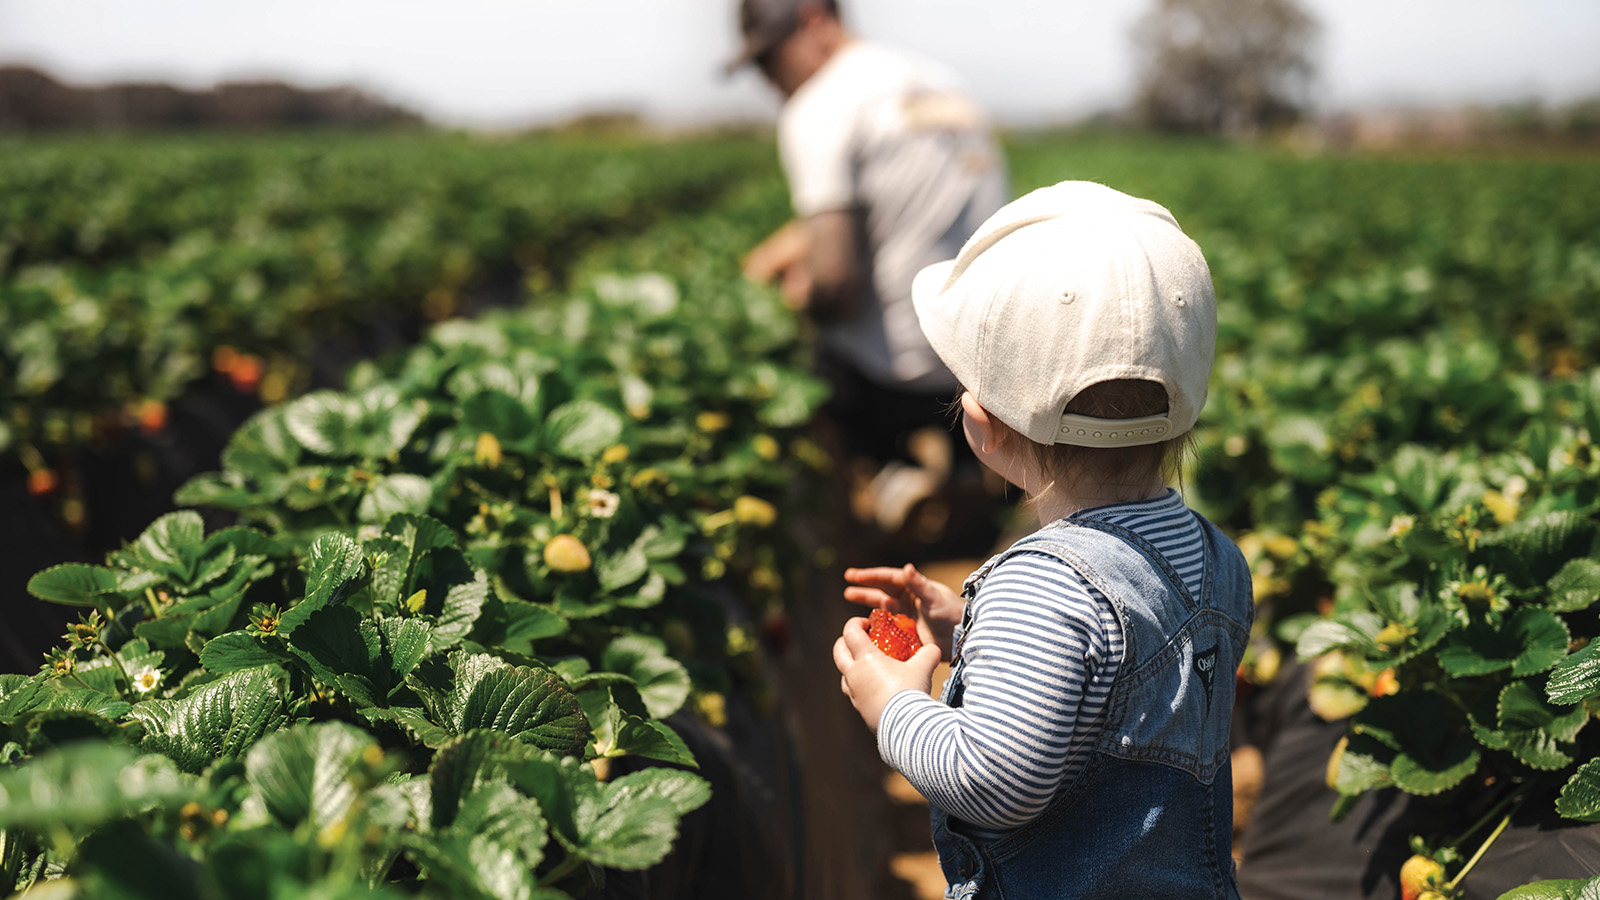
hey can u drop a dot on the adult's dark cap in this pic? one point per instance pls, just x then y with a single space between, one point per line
765 23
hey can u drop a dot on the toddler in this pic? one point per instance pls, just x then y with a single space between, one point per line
1080 745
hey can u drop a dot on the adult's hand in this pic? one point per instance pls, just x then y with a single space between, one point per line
783 250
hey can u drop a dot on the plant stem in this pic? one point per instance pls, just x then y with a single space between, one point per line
561 871
79 679
126 681
1482 849
1489 816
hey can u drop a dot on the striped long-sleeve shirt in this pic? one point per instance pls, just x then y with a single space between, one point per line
1040 655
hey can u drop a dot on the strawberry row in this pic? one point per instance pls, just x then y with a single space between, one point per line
462 591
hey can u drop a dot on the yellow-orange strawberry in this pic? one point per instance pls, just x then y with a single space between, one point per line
565 553
1419 875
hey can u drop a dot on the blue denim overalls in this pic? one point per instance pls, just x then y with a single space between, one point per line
1150 814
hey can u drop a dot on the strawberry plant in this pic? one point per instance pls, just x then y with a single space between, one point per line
264 721
1468 583
458 590
134 272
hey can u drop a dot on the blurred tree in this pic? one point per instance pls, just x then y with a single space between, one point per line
1224 66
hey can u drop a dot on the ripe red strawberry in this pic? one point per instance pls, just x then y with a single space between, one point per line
895 634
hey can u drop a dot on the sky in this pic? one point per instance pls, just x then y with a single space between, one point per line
514 63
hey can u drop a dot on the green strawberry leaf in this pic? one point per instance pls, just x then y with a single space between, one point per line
238 650
1407 719
1532 640
1431 752
1577 677
1580 798
490 850
213 563
367 659
414 722
1556 889
339 652
1576 586
88 784
501 415
663 681
20 693
555 783
263 448
170 545
333 567
1439 770
460 765
219 720
527 623
42 728
311 773
246 542
464 589
324 422
532 705
650 593
1536 734
658 542
582 429
391 495
104 675
631 823
407 539
75 584
1353 629
619 733
618 570
81 700
1532 550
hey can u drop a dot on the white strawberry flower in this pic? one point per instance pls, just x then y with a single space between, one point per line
146 679
601 504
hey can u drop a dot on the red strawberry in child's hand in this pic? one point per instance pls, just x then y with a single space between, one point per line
894 633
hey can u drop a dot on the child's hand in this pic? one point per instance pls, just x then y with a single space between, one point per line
869 677
936 607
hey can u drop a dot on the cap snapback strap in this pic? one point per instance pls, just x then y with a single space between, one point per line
1087 431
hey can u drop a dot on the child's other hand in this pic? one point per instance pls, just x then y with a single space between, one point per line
905 590
869 677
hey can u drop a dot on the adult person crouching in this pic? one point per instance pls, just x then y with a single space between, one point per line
891 166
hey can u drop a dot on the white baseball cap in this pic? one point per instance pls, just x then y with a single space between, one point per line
1066 287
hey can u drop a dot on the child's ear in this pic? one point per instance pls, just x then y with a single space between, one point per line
985 427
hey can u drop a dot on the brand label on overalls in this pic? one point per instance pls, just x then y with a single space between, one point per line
1205 665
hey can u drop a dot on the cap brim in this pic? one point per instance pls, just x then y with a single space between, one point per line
754 46
937 317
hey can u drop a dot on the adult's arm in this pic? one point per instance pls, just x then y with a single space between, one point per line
819 261
838 265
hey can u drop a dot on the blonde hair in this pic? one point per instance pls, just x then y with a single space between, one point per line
1124 470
